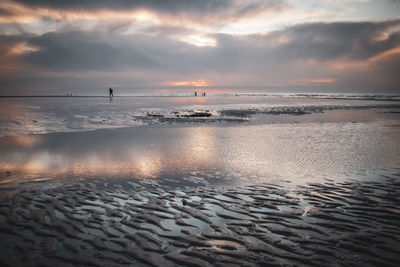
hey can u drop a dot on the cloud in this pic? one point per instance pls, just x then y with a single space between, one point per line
7 41
384 71
190 7
318 41
89 51
196 83
5 13
329 41
317 81
303 55
204 17
11 49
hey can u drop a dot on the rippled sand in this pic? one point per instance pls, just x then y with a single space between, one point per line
143 223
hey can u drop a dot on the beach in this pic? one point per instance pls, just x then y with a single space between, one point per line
243 180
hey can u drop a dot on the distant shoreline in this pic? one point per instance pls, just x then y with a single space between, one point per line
372 97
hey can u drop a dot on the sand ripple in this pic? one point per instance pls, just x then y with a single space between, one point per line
98 224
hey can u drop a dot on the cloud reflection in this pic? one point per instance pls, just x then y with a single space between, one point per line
124 156
270 151
201 144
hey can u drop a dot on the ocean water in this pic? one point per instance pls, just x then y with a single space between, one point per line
38 115
184 140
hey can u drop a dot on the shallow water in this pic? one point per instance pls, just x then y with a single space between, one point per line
224 153
37 115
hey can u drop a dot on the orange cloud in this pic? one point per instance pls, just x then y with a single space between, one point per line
392 52
137 18
317 81
165 91
28 140
198 82
21 48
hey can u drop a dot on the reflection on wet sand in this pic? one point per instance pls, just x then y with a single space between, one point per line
86 155
293 152
201 144
148 165
15 116
190 100
53 166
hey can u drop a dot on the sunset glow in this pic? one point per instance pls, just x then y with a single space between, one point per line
320 80
22 48
196 83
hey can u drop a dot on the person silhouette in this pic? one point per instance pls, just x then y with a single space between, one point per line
111 92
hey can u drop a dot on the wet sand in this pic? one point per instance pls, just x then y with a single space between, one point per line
285 188
143 223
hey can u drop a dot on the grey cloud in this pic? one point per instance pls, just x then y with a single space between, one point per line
323 42
166 31
5 13
328 41
253 58
100 51
7 41
388 69
202 7
169 5
107 51
382 75
71 50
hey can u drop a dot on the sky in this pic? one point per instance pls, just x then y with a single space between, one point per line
161 46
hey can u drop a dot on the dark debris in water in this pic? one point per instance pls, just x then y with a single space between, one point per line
192 118
142 224
297 110
204 114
